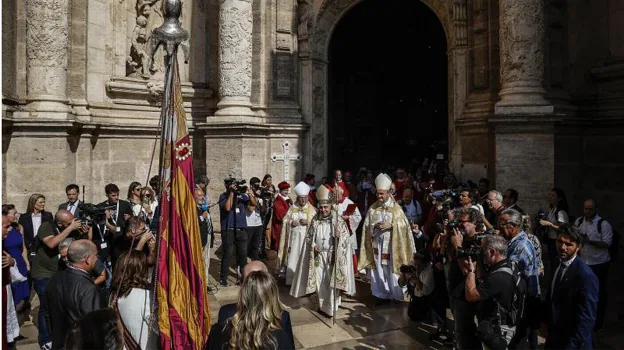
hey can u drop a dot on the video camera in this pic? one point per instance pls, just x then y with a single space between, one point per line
446 199
94 214
262 191
239 188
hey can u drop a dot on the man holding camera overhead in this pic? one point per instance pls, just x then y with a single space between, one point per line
232 204
462 229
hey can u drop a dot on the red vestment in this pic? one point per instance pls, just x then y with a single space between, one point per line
401 184
280 208
312 198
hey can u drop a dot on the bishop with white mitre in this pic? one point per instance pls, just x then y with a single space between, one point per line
294 229
326 265
387 243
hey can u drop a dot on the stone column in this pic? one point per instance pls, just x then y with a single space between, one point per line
522 58
235 54
524 124
46 57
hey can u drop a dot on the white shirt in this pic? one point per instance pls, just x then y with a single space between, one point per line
561 218
254 219
135 313
71 207
426 277
565 265
36 222
592 255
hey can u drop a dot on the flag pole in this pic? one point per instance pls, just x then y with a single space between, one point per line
170 35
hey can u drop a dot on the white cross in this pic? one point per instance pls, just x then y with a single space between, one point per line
286 157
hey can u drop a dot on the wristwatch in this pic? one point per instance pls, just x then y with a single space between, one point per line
469 271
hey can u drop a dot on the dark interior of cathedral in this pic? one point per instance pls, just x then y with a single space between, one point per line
388 86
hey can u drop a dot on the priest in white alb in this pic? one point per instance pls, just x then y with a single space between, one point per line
351 214
294 229
326 264
387 243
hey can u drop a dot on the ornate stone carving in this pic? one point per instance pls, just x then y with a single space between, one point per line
46 46
235 44
46 34
149 16
521 52
459 19
304 12
522 40
318 148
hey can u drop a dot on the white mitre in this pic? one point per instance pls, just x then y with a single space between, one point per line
383 182
302 189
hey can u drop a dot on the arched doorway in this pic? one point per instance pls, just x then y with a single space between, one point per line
387 99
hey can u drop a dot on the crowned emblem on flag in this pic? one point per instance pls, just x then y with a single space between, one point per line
183 151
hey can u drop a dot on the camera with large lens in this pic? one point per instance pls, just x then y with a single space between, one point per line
407 269
239 188
455 223
92 214
473 252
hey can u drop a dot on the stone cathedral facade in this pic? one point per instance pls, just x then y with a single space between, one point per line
535 92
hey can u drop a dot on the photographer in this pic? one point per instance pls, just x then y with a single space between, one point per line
46 261
232 205
462 233
418 277
499 293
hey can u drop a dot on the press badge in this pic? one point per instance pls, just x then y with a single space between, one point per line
237 210
103 245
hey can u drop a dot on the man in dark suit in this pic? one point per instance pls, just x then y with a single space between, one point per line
73 192
228 310
573 296
113 228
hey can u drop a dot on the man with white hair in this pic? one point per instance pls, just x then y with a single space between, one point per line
387 243
294 228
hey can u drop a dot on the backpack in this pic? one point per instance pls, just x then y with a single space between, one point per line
513 316
614 248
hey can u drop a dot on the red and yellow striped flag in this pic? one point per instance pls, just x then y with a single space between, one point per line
182 301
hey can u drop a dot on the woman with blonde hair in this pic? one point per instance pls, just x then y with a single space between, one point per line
256 325
33 218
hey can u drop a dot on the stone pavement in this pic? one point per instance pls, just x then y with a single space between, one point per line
360 324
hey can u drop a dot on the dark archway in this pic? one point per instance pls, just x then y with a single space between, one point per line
388 86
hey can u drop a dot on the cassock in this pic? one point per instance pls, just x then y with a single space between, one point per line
383 252
348 208
292 238
280 208
316 272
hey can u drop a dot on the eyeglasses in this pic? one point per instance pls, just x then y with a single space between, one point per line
137 189
505 224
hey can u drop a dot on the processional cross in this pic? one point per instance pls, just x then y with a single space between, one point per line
286 157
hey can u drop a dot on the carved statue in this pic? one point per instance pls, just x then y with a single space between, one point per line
141 62
304 11
139 58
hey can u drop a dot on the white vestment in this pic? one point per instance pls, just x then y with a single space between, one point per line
384 283
325 293
294 238
354 220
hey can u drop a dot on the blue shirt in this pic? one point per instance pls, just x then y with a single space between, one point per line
522 252
227 218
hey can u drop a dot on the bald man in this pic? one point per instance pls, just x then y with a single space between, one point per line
228 310
46 260
71 294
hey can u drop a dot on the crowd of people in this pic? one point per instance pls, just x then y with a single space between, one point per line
439 243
